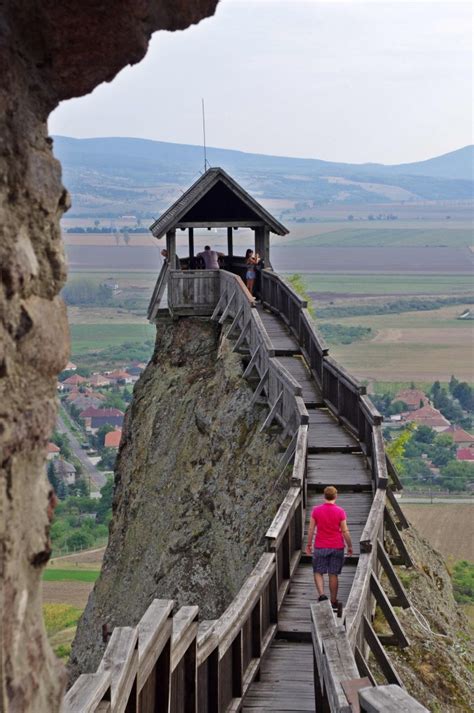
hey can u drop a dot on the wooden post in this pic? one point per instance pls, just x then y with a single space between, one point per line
229 243
191 242
265 254
171 248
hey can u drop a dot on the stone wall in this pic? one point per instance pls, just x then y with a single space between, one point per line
49 51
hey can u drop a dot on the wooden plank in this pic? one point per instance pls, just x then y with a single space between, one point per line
282 519
120 661
87 692
154 630
388 612
219 306
363 666
374 521
401 597
260 387
235 321
397 538
380 654
232 620
185 626
352 688
298 475
335 660
388 699
357 599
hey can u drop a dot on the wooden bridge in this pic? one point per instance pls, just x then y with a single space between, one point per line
274 649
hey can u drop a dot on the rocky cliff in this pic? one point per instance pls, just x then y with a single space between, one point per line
437 668
194 488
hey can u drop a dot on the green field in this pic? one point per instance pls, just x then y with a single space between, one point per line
88 337
379 234
386 284
70 575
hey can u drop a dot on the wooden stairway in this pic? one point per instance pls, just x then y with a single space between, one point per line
334 458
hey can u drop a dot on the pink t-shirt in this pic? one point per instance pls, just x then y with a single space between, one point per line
328 520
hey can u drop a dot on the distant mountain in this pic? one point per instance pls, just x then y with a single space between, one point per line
112 176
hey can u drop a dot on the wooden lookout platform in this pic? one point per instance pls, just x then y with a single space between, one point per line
274 649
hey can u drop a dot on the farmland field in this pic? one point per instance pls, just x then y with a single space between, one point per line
402 234
397 350
86 337
387 284
448 528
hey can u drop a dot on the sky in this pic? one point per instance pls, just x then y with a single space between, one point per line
354 81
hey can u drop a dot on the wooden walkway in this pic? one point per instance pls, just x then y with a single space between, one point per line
334 458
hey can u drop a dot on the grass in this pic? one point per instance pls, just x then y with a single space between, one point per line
386 284
60 621
70 575
90 337
383 235
59 616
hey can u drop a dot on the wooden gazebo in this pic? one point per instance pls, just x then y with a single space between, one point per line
216 200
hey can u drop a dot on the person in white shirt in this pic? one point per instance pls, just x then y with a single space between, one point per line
211 258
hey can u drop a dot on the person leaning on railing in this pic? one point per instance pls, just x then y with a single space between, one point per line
332 532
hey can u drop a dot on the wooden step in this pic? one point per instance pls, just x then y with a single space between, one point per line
326 434
346 471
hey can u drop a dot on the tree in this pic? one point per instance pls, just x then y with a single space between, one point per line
52 477
79 540
464 394
424 434
435 389
102 432
453 382
104 505
396 449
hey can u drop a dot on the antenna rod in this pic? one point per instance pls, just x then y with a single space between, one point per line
204 134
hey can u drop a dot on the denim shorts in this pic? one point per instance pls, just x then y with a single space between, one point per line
328 561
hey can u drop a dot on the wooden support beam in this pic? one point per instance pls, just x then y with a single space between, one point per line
260 387
401 598
392 472
242 335
235 322
397 538
219 306
171 247
230 250
191 242
403 523
388 612
227 308
287 455
363 666
252 363
380 655
272 413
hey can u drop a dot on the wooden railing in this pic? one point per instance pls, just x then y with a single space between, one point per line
183 665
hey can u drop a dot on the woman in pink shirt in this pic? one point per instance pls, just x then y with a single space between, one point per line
332 532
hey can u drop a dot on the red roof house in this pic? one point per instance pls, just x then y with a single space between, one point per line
428 416
465 454
412 398
460 436
112 439
52 451
94 418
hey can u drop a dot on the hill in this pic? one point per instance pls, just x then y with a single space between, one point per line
111 176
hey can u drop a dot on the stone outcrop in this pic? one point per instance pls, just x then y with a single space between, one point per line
196 487
437 668
48 52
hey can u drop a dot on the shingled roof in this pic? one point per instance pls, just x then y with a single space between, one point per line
194 195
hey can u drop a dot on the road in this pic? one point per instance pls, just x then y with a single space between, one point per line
97 478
